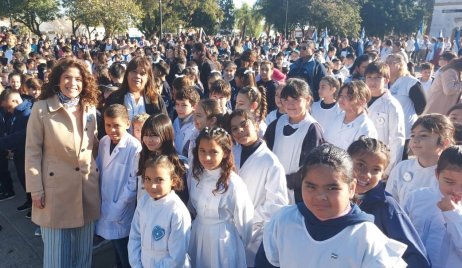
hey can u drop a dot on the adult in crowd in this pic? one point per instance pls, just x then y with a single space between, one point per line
308 68
61 172
446 88
408 91
139 91
204 63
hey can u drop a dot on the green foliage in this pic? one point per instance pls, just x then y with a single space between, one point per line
187 13
248 19
398 16
228 14
340 17
31 13
274 12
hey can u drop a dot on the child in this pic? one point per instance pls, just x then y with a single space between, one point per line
437 212
220 90
426 70
183 126
261 171
158 139
116 154
253 99
430 135
223 208
33 88
207 114
335 232
14 81
214 76
354 122
242 78
295 134
327 109
385 111
137 124
266 81
160 231
229 68
276 113
370 159
455 113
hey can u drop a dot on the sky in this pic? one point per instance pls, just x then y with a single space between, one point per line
238 3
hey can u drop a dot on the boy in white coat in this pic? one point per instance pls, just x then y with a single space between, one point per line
116 161
385 111
183 126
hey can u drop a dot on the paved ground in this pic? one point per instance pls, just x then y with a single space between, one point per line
18 245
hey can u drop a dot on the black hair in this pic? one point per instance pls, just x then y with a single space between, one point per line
365 144
451 158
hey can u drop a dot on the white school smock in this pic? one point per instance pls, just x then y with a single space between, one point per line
409 176
160 231
288 244
343 135
325 116
267 185
289 148
271 117
183 132
400 90
388 118
441 232
223 225
118 186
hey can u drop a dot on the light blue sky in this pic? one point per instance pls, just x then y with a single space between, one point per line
238 3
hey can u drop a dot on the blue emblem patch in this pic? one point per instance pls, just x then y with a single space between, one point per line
158 232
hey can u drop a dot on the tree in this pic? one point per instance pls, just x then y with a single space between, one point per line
228 13
400 16
206 15
117 15
275 11
188 13
248 19
80 13
341 17
31 13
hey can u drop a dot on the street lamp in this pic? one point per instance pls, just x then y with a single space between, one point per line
161 24
287 9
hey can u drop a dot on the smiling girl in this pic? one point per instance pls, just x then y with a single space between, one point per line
221 203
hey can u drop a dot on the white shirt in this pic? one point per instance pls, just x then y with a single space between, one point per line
343 135
266 182
388 118
134 108
324 116
183 132
440 231
160 232
409 176
287 243
400 90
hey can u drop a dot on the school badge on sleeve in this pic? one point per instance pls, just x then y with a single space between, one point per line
158 232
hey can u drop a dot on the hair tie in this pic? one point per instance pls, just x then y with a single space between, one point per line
179 75
249 71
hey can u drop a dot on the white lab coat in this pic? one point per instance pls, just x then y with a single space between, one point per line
160 231
223 225
289 148
325 116
408 176
343 135
183 133
400 90
118 186
287 243
388 118
441 232
266 182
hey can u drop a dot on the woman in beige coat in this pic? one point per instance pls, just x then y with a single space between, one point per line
61 172
446 89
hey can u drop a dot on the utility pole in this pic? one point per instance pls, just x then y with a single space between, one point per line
287 9
161 23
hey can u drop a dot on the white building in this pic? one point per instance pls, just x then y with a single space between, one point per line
447 16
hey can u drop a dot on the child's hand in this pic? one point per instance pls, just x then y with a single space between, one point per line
447 204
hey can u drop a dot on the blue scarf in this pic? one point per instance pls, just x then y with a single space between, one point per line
66 101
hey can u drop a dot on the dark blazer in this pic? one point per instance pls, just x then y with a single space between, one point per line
15 139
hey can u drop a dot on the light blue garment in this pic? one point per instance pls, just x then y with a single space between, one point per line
118 183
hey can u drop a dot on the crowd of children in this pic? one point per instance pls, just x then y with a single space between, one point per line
230 164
